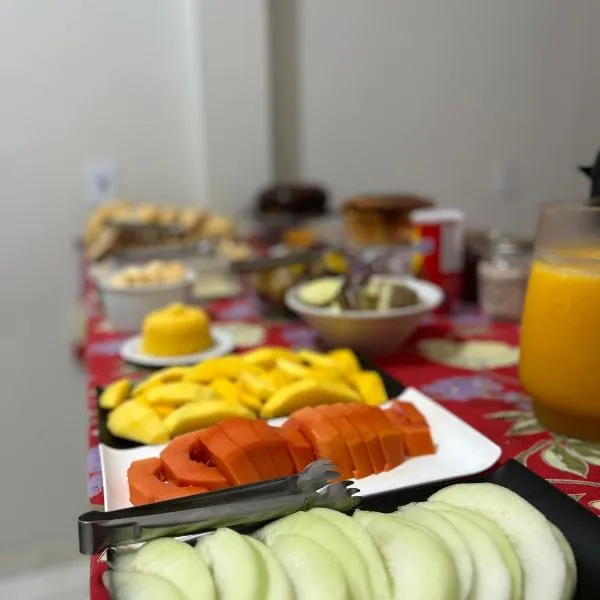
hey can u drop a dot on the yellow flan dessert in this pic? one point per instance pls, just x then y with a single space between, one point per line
176 330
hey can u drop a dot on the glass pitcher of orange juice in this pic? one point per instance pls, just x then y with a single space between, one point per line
560 334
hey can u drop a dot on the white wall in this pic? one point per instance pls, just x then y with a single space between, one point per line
431 95
78 79
159 86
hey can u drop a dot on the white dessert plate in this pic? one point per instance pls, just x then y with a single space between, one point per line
131 351
461 451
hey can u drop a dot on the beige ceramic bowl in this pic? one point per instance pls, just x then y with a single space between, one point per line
369 332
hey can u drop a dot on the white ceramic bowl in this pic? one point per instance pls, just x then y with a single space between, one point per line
368 331
125 308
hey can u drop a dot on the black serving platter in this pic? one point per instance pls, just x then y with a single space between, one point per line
580 526
392 386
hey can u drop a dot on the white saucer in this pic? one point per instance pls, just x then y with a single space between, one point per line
131 351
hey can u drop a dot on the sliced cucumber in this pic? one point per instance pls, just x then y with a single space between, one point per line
571 584
445 529
509 554
544 564
420 566
279 586
381 584
314 572
140 586
331 538
178 563
492 579
237 570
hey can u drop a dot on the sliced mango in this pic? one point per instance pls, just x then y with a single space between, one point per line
199 415
116 393
277 378
136 422
316 359
370 387
250 401
225 390
292 369
346 360
169 375
179 392
255 385
306 393
226 367
163 410
266 357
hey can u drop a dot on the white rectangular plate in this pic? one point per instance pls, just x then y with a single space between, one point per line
461 451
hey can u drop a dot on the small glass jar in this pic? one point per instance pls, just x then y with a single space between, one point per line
502 279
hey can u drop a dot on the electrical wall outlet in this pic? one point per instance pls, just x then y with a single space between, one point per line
507 180
101 181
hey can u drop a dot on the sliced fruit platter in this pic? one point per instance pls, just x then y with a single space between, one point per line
362 440
477 541
265 383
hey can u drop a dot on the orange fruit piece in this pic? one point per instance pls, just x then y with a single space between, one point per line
148 484
324 439
391 439
184 462
417 438
300 450
278 448
355 414
228 457
243 435
354 441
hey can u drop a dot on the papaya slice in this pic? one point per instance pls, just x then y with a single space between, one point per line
417 438
185 461
300 450
278 448
410 411
391 439
148 484
241 433
324 439
355 414
354 441
228 457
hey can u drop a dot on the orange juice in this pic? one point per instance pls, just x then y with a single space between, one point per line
560 342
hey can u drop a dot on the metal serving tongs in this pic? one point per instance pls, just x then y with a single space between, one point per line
238 506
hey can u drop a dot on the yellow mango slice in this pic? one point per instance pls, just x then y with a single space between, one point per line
306 393
266 357
163 410
250 401
180 392
169 375
226 367
255 385
225 390
292 369
278 378
116 393
370 387
316 359
346 360
134 421
199 415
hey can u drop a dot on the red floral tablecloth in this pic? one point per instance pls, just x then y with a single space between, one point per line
484 392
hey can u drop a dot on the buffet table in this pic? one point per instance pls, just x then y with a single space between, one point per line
484 393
